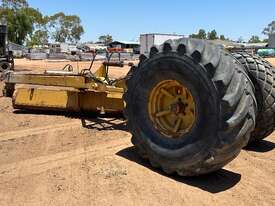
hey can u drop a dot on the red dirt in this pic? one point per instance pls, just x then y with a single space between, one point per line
271 60
52 159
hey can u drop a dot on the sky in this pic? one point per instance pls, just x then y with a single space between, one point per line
126 20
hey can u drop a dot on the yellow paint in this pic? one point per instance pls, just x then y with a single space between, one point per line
172 108
101 71
74 81
68 92
50 99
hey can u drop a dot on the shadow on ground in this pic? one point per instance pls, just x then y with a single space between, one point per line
261 146
102 124
23 70
216 182
114 121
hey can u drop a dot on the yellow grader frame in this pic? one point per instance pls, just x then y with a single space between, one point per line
68 90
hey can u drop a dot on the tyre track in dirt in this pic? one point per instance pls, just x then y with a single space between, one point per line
39 130
43 163
45 160
62 163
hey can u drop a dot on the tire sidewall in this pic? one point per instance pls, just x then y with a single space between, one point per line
183 69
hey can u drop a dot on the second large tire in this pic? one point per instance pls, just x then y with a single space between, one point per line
262 76
224 102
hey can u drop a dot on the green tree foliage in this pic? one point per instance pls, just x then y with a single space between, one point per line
35 16
254 39
27 24
270 29
20 18
40 37
14 4
106 39
19 23
65 28
212 35
222 37
200 35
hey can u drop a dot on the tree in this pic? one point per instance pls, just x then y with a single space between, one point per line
27 24
200 35
39 37
14 4
65 28
195 36
270 29
106 39
36 17
19 23
21 19
254 39
212 35
222 37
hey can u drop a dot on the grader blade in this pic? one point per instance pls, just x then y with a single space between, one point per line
67 90
66 100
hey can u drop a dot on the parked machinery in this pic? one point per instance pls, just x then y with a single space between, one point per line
190 105
6 57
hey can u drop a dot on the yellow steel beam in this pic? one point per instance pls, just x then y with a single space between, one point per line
73 81
65 100
25 98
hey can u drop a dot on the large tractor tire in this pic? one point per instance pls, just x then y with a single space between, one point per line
262 75
190 107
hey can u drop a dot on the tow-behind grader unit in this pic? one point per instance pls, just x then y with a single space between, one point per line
65 90
190 106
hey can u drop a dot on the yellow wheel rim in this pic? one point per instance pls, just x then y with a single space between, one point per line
172 109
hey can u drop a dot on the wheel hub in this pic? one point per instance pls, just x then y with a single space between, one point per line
178 107
172 108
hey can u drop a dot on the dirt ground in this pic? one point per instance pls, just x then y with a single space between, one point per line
41 66
271 60
57 159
